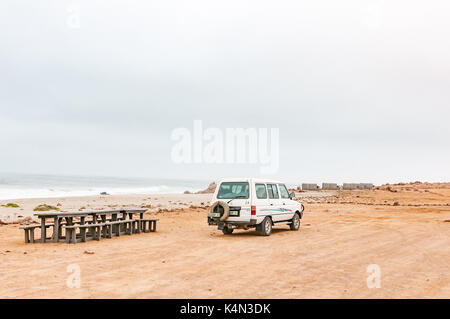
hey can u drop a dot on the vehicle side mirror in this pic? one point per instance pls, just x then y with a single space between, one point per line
291 195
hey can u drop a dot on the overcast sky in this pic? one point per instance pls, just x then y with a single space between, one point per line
360 90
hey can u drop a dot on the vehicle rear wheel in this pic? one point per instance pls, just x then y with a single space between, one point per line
227 231
265 228
295 224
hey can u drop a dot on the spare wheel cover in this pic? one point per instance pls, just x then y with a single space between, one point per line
226 209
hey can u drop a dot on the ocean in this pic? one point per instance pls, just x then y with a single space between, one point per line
13 186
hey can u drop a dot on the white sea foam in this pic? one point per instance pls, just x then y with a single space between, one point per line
41 186
8 193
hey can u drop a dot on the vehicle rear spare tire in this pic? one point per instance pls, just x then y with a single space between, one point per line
226 209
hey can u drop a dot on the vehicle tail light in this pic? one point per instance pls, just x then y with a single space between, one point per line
253 210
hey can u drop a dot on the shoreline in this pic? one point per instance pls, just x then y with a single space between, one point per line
14 186
153 202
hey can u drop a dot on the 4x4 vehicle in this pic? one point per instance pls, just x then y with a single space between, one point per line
253 203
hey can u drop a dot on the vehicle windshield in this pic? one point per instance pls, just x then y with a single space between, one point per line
232 190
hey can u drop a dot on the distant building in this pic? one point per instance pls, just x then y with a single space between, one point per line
309 187
350 186
330 186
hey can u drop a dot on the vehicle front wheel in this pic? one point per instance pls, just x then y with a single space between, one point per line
295 224
227 231
265 228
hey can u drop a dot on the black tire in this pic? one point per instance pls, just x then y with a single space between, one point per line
227 231
295 224
265 228
226 209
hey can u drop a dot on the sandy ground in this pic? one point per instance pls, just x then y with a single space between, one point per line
342 233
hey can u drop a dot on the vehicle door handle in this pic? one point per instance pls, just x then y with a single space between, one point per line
271 204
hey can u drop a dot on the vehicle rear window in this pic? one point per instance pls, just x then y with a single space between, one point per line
273 191
231 190
283 191
261 191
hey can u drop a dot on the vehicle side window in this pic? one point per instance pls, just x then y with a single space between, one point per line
274 189
283 191
269 189
261 191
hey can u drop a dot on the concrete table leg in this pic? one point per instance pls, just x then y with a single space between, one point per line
56 230
82 230
68 235
114 227
74 237
43 230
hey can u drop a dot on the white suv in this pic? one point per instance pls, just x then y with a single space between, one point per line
249 202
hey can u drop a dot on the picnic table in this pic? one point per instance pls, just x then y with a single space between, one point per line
98 223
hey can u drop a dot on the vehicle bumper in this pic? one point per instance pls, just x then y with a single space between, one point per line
215 221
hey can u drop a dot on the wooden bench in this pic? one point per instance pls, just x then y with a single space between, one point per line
151 225
136 226
71 232
128 227
29 232
96 230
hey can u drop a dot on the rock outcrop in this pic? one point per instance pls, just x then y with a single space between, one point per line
211 188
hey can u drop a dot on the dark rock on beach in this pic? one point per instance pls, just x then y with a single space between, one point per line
211 188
